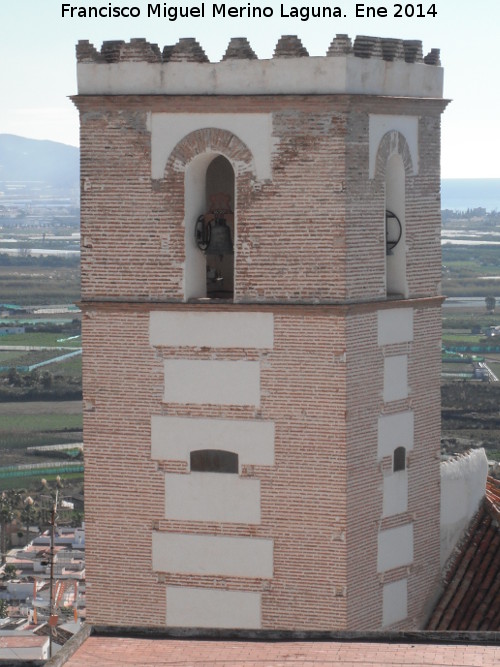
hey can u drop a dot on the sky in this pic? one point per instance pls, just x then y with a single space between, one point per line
38 65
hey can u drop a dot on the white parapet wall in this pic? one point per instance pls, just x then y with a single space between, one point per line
463 485
369 66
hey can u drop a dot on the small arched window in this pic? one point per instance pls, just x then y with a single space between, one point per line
214 460
399 462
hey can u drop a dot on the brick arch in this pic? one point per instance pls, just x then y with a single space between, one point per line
211 140
393 143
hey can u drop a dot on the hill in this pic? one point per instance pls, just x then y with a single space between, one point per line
55 164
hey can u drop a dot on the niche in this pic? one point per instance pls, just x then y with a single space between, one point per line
396 282
214 460
399 460
210 228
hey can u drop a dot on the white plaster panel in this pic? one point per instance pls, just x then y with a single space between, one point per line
212 554
254 130
394 602
314 75
380 124
395 547
246 330
463 485
395 499
204 496
210 608
395 431
212 382
173 438
395 326
395 378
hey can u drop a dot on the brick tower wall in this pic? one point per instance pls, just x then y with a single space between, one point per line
313 373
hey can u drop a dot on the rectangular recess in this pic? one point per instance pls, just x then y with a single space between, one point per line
205 496
395 378
173 438
395 431
212 382
395 547
182 553
214 330
394 602
395 325
212 608
395 493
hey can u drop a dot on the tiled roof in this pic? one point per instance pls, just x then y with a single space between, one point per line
471 597
106 651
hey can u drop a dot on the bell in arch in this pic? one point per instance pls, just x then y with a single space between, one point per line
220 243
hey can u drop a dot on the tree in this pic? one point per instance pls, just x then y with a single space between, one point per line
14 377
29 513
4 609
490 303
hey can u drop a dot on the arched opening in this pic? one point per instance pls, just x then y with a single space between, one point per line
214 460
209 228
399 460
396 282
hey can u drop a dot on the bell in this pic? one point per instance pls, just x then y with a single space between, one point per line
220 240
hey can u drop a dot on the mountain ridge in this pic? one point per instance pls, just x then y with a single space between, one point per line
50 162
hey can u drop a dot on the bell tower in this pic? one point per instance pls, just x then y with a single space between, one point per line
261 297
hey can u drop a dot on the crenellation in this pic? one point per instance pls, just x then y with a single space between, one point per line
433 58
87 53
340 46
413 51
139 50
239 47
392 49
367 47
187 49
167 52
290 46
111 50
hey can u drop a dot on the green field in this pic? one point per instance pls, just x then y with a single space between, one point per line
462 338
465 269
18 431
25 358
26 285
42 339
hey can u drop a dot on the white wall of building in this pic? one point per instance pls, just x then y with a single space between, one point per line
463 485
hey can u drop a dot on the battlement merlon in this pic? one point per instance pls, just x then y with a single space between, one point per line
370 66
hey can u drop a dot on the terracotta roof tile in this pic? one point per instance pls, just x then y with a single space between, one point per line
99 651
471 598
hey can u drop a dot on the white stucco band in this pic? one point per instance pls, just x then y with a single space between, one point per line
212 382
212 554
380 124
395 325
173 438
210 608
394 602
321 75
246 330
395 499
395 430
395 377
204 496
395 547
254 130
